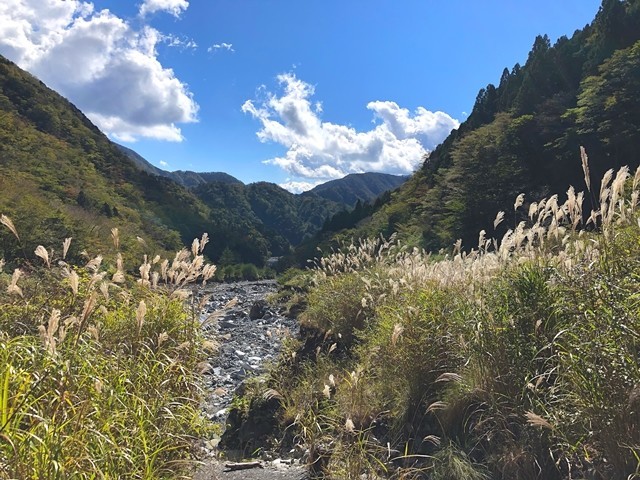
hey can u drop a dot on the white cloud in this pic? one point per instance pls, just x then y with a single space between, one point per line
163 163
298 187
182 43
106 67
174 7
221 46
318 150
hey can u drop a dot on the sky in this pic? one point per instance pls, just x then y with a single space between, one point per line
296 92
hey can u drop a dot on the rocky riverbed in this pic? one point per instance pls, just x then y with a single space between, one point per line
250 334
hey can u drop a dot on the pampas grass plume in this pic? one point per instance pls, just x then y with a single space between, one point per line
6 221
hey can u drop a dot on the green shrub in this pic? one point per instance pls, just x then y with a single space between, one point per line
98 369
414 340
336 304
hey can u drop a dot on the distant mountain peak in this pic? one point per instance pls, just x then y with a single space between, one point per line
365 187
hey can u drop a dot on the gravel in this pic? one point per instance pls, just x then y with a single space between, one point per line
250 335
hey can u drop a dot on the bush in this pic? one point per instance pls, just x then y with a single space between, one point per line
97 369
415 339
336 305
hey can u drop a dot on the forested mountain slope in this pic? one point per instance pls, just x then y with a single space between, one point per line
61 177
523 136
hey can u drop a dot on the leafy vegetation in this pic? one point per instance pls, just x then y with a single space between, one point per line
252 222
61 177
98 369
517 359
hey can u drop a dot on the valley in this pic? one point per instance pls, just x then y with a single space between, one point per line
477 319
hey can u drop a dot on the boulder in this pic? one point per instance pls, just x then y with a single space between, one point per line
258 309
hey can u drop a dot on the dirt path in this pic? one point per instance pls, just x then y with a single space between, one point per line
250 334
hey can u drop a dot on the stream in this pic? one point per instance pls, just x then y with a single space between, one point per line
249 335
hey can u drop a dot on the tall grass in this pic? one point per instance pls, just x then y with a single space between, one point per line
98 366
514 359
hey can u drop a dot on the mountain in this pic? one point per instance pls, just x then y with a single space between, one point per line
281 218
365 187
523 136
61 177
185 178
277 218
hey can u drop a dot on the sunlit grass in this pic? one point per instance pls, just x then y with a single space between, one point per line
517 358
98 366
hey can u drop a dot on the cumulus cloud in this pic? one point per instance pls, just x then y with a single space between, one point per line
299 187
221 46
321 151
174 7
101 63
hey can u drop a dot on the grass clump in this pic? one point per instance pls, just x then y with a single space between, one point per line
98 368
517 359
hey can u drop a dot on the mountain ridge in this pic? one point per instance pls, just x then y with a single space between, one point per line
61 177
347 190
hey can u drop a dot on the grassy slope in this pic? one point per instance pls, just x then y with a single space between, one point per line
519 361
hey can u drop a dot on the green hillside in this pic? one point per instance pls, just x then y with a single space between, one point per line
61 177
523 135
261 219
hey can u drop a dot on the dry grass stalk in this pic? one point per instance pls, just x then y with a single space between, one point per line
349 426
13 288
94 263
141 311
115 237
73 278
537 421
397 333
87 309
119 276
203 241
104 289
43 254
65 247
145 270
585 167
272 393
326 391
6 221
48 334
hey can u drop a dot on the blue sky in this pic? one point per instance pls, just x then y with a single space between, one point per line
290 91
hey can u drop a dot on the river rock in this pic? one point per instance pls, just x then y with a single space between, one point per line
245 343
258 309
